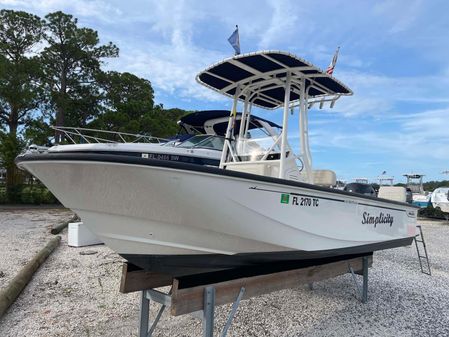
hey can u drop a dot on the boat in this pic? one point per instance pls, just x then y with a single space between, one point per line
361 180
414 183
262 205
440 199
199 140
361 188
385 180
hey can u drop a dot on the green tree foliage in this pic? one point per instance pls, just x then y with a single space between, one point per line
38 131
20 93
64 85
162 122
71 62
433 185
129 107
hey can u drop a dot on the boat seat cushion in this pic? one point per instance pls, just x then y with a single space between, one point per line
396 193
324 178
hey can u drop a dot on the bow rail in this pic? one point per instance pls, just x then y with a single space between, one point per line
85 135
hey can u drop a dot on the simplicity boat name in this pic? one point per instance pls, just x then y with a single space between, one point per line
375 220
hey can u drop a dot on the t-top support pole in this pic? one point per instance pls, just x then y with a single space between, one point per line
229 130
304 133
285 126
244 117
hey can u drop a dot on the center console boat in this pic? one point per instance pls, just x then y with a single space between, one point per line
261 205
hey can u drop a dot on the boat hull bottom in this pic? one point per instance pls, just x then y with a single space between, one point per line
182 265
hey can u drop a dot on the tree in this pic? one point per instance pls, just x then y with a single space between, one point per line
162 122
129 107
433 185
20 92
125 93
71 63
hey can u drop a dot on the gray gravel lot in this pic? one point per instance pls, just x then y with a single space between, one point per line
77 295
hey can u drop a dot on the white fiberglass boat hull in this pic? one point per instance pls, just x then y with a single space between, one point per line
142 207
421 200
440 199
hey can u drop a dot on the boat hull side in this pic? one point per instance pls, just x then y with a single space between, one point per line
140 210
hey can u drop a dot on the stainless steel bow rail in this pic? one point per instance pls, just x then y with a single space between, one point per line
196 295
85 135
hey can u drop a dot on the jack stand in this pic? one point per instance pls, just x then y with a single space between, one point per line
364 291
207 314
196 296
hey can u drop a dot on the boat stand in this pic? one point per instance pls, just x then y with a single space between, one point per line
206 314
196 297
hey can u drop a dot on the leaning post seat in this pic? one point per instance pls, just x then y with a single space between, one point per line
396 193
325 178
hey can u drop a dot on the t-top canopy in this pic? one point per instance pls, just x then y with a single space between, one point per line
261 77
198 119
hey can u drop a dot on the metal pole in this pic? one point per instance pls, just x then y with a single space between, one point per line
227 144
285 126
208 312
156 320
235 306
244 116
365 279
354 279
303 132
306 121
248 118
144 314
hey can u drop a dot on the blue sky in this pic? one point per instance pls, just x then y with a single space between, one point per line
394 56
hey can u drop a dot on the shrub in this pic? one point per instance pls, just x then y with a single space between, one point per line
26 195
430 212
48 197
3 196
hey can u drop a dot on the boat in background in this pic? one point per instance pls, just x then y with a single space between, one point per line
361 188
385 180
440 199
262 205
361 180
414 183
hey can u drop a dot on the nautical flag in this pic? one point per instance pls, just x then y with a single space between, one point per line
331 67
234 40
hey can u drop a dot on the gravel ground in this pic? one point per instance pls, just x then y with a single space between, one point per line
23 232
77 295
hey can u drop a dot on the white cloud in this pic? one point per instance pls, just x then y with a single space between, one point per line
421 135
401 17
171 70
282 23
173 62
102 10
380 95
430 125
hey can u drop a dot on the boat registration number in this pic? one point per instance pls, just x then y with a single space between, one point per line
299 201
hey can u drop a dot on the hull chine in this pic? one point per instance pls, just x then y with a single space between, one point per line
181 265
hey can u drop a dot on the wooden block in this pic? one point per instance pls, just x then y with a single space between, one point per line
134 279
191 299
